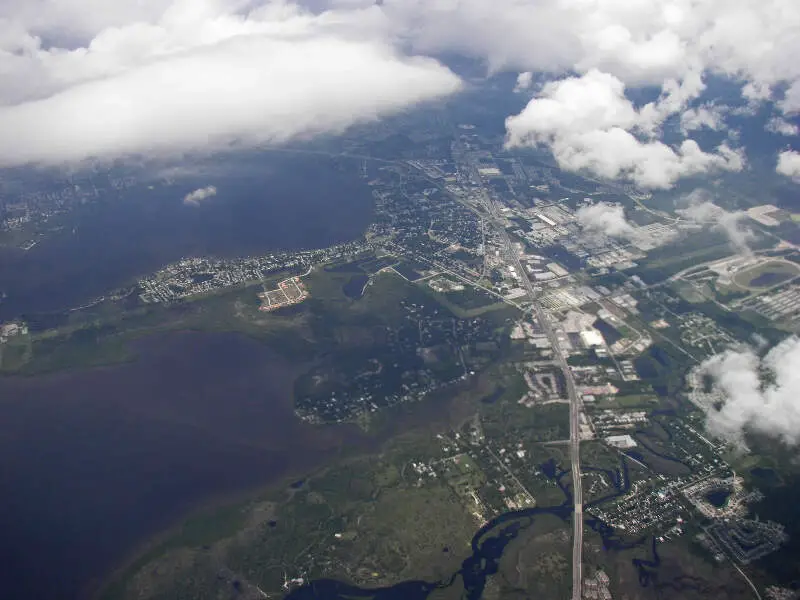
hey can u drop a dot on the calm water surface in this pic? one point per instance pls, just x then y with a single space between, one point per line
93 462
264 202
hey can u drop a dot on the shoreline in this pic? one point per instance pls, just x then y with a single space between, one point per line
100 588
442 411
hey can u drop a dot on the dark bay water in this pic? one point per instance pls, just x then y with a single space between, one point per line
264 202
94 462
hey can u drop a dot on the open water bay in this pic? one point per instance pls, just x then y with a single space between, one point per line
94 462
263 202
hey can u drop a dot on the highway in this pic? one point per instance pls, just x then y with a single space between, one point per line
574 407
560 360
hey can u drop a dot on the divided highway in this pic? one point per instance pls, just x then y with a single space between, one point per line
574 406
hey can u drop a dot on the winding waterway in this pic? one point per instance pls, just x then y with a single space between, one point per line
488 546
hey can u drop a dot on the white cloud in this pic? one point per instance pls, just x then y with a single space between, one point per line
675 97
203 77
199 195
703 211
82 19
345 61
782 126
756 92
637 41
589 124
605 218
791 100
789 163
508 34
574 105
753 403
673 45
708 116
524 81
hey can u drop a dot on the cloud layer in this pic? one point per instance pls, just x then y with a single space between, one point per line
82 78
638 41
766 405
201 77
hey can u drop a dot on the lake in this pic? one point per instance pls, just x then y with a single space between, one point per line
94 462
264 201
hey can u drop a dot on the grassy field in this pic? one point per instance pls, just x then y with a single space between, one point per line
513 421
648 401
470 302
365 520
663 267
681 561
104 336
539 562
15 353
667 260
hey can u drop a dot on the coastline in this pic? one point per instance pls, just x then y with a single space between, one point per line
103 587
411 420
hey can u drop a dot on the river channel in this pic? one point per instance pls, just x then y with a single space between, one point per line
488 546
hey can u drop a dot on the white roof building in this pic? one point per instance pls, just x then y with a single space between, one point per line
592 338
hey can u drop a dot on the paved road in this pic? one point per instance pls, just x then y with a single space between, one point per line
574 439
574 407
497 220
